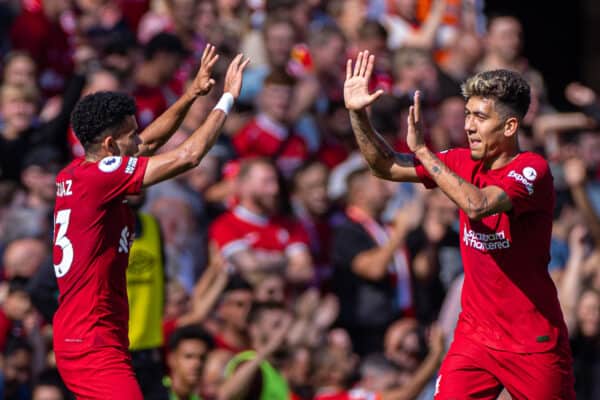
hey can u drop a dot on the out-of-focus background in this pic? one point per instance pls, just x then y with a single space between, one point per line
277 241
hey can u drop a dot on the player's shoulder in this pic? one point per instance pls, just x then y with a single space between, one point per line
532 165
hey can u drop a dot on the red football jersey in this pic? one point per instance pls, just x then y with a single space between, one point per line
93 232
262 137
509 301
240 229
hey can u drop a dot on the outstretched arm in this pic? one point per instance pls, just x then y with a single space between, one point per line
476 203
381 158
189 153
157 133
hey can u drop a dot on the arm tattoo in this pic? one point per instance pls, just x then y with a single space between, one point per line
373 147
439 167
477 208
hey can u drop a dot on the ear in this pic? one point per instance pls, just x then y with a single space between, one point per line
511 126
110 147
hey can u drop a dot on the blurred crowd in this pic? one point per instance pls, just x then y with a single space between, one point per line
279 267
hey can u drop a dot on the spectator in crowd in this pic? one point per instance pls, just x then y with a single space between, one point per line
257 373
162 56
19 69
312 207
40 31
371 276
279 37
40 167
253 238
404 29
188 348
270 134
23 256
15 382
16 306
232 316
49 386
212 376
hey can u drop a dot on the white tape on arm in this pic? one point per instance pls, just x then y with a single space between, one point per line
225 103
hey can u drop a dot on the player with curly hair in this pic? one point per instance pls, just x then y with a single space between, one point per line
511 332
94 227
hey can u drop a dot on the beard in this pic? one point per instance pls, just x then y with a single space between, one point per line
267 204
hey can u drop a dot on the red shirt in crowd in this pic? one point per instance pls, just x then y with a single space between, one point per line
241 229
150 104
93 232
263 137
509 302
48 43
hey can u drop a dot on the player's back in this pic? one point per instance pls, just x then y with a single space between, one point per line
93 230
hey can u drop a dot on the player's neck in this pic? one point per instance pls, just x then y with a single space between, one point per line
502 159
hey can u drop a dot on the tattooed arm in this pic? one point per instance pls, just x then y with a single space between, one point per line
476 203
383 161
381 158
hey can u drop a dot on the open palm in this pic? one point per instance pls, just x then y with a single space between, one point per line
356 86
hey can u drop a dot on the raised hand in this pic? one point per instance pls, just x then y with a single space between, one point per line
414 137
203 82
356 86
234 75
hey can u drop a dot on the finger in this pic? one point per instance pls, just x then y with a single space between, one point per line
233 65
236 61
363 67
417 107
411 116
348 69
358 63
370 66
213 61
375 95
245 64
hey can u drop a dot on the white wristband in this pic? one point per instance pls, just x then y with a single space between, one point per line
225 103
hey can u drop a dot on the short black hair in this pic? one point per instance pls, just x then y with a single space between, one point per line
258 307
15 344
237 282
165 43
18 284
97 112
190 332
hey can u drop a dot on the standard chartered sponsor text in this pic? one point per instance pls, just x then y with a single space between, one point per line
485 241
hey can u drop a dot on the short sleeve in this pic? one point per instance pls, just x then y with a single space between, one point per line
116 177
451 158
348 242
529 185
227 238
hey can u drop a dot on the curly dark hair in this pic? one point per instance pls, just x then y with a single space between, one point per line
98 112
509 89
